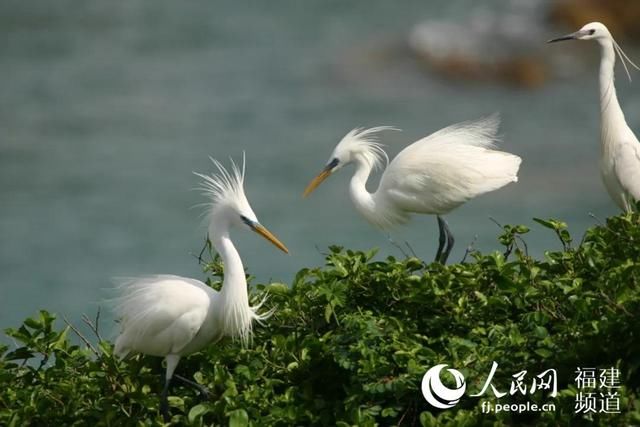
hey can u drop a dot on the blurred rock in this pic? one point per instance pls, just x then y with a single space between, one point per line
488 48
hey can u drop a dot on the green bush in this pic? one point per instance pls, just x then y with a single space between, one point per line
350 342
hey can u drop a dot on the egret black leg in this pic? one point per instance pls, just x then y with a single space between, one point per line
204 392
442 239
450 242
164 402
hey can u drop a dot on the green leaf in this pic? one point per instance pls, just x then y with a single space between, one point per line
19 354
176 402
427 420
238 418
197 412
551 223
543 352
61 342
328 311
277 289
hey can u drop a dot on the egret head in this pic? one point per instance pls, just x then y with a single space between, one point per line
228 206
591 31
359 145
600 33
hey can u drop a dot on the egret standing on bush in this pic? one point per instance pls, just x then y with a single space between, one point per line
431 176
620 150
173 316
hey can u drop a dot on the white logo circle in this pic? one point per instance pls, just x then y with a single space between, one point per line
436 393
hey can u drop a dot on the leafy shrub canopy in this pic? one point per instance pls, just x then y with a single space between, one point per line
350 342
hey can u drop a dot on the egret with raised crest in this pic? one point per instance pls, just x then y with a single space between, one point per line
433 176
619 147
172 316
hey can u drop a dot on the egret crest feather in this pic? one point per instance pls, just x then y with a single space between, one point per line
364 143
224 188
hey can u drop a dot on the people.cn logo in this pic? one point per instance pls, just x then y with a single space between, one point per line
437 394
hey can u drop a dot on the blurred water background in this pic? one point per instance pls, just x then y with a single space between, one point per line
107 107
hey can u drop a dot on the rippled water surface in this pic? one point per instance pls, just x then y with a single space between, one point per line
107 107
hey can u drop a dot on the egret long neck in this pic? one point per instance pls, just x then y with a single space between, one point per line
611 114
234 286
362 199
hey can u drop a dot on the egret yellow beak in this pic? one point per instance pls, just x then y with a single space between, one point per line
326 172
270 237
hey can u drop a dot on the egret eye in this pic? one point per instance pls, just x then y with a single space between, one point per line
246 220
591 32
333 163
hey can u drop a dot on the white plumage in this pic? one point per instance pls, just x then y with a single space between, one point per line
172 316
620 149
442 171
162 315
166 314
431 176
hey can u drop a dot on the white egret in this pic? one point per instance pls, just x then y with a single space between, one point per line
619 147
172 316
431 176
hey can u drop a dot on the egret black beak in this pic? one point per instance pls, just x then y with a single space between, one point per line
326 172
269 236
572 36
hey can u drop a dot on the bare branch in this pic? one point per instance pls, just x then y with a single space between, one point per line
496 222
469 249
82 337
397 246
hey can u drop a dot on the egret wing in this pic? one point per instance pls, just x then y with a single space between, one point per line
627 167
422 184
438 173
161 314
